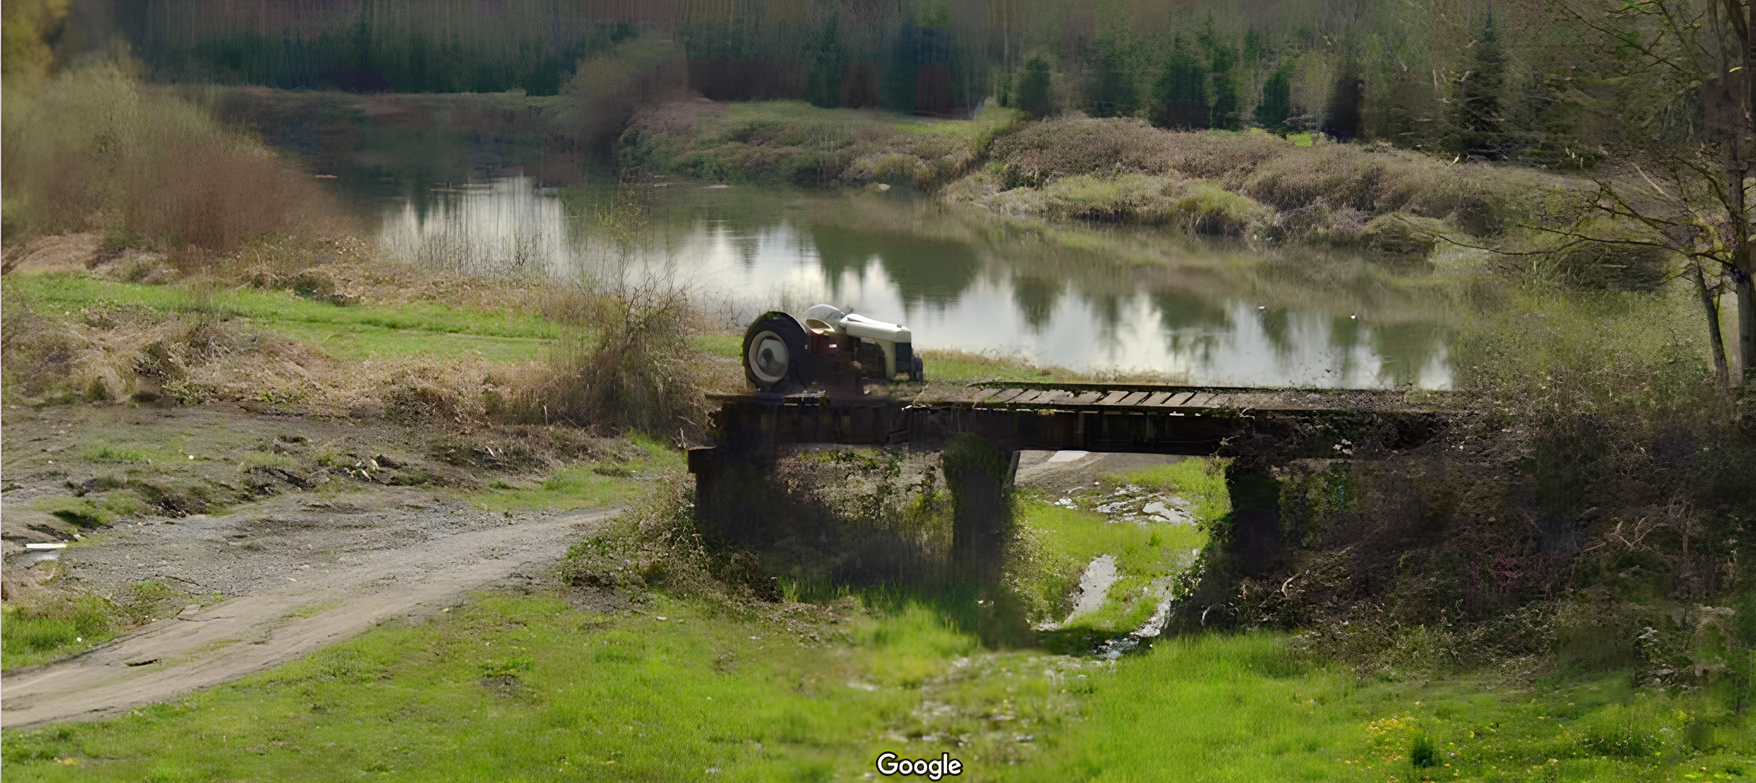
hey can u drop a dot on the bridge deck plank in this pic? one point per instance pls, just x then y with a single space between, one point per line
1199 400
1113 398
984 395
1157 399
1084 398
1006 396
1053 396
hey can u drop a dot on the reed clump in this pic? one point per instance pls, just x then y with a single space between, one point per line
623 361
93 149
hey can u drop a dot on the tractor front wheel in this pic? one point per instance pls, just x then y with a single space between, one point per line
774 354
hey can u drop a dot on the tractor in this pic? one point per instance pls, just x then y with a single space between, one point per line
783 356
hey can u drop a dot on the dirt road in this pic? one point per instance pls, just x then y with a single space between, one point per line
207 646
292 557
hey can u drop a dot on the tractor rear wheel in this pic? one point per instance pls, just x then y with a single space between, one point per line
775 354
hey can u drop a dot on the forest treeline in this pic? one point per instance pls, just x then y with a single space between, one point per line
1468 77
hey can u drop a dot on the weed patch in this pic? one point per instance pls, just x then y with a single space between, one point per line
54 627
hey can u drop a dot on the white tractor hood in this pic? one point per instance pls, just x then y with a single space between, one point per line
861 326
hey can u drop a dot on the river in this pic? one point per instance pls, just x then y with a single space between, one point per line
1097 299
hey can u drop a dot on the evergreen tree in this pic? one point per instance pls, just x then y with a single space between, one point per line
1476 114
1341 118
1180 94
896 87
1226 113
1277 100
1033 88
828 65
1115 94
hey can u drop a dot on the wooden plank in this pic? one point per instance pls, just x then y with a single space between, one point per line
1199 401
1029 396
1157 398
1113 397
1052 396
1005 396
1135 398
1085 398
1179 399
985 394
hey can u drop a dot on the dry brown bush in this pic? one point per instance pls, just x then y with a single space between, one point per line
1225 157
1071 146
1378 181
93 149
624 362
215 194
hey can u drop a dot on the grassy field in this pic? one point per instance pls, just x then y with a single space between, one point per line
523 688
345 332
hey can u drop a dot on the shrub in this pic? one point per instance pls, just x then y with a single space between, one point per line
625 363
1195 205
92 149
1402 234
796 143
1379 181
1422 751
1073 146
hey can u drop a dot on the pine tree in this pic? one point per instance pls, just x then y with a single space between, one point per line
1226 113
829 62
1033 88
1115 94
1277 100
1341 118
1476 113
1180 94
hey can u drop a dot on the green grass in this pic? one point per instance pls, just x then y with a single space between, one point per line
1300 139
104 452
511 689
966 367
586 484
727 345
45 632
521 688
95 510
1243 708
343 331
1070 538
1202 482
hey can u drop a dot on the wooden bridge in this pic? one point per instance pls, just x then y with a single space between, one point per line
1259 427
1159 419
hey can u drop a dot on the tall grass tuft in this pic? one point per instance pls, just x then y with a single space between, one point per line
625 362
1422 751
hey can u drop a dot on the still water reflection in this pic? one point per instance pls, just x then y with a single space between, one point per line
1116 300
